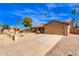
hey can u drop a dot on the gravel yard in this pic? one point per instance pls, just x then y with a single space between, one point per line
68 46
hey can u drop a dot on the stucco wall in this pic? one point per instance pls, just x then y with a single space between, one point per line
56 28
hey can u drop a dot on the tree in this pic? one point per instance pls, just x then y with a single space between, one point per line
17 22
73 13
6 26
27 22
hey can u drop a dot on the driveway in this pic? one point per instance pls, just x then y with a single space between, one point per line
68 46
30 44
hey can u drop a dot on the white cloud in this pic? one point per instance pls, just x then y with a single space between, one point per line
49 6
54 18
38 16
18 14
35 21
29 12
26 11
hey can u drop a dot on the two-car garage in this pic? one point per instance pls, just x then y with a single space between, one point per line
55 27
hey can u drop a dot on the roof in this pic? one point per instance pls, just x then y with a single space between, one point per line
58 22
40 25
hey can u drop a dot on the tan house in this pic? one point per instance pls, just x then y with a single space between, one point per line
56 27
53 27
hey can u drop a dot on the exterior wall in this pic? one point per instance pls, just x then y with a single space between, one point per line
56 28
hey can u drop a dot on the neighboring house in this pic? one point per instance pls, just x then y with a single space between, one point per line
36 28
53 27
12 30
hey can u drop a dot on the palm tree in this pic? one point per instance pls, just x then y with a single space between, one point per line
73 13
17 21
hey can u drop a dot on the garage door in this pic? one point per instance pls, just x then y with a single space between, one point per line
59 30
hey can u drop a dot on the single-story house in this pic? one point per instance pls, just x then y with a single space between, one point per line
53 27
56 27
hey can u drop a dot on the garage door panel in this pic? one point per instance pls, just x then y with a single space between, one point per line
57 30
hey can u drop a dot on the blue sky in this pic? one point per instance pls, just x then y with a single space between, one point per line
9 12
